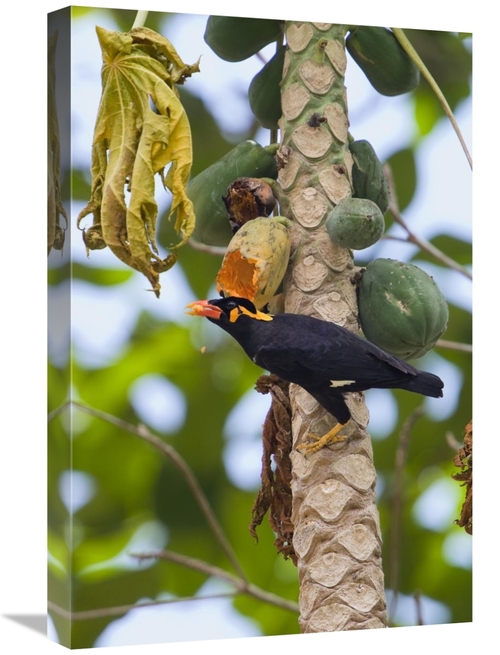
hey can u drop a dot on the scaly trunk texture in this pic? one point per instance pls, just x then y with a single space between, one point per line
336 524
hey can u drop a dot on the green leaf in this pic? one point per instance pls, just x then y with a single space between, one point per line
427 112
404 173
449 61
80 185
92 274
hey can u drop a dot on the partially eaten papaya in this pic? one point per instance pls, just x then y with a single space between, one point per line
256 260
207 190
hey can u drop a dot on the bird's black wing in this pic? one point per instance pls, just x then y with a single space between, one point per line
306 350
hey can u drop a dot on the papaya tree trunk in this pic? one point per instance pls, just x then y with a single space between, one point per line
337 536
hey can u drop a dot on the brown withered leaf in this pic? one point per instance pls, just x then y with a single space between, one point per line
141 128
463 459
275 495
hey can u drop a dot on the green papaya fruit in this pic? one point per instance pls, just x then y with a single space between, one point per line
401 308
236 39
264 93
207 189
384 62
368 177
355 223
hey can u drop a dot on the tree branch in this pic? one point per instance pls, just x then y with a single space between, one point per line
85 615
454 345
142 432
242 586
413 54
423 244
211 250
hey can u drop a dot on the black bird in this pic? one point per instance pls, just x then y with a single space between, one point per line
325 359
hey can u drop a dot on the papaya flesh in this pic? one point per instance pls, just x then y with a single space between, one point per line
236 39
368 177
401 308
355 223
264 93
384 62
207 189
256 260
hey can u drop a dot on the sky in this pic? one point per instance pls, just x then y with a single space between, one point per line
23 293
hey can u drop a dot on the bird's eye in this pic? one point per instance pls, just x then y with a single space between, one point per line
231 304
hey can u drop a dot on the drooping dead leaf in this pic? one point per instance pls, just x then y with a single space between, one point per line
55 209
141 128
463 460
275 495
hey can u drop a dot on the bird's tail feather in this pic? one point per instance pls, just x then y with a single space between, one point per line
427 384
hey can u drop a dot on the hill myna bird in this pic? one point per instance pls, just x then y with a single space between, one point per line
323 358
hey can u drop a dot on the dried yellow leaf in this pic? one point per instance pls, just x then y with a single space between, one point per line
141 128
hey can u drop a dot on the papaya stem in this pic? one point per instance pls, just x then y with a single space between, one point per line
211 250
140 18
425 245
411 237
415 57
454 345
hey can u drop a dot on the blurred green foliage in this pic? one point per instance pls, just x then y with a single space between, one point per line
134 488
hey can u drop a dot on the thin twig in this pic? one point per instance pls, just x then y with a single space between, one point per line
242 586
211 250
413 54
58 410
401 453
432 250
173 455
425 245
454 345
452 441
418 605
123 609
193 563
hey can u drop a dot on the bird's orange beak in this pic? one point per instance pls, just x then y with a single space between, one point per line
203 308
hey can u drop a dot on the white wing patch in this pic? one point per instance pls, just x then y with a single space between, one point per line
341 383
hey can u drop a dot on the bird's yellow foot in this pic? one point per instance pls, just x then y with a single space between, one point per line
320 442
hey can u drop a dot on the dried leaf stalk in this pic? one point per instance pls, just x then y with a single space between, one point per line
55 209
463 459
